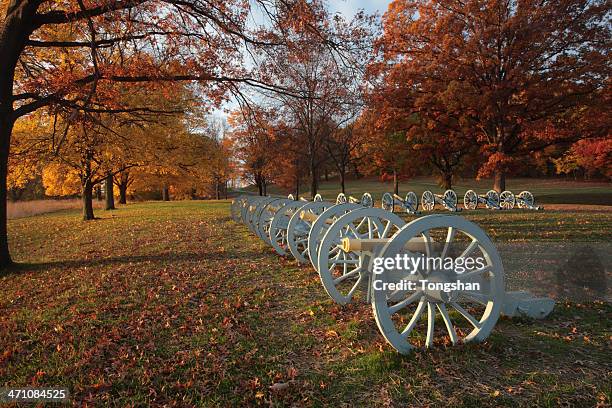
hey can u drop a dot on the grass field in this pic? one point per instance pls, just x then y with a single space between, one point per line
546 191
174 304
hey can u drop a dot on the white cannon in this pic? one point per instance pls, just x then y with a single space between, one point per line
346 264
526 201
366 199
471 200
410 204
345 243
448 200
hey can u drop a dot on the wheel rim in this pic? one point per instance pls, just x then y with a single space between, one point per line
389 317
412 201
298 229
526 199
387 202
279 225
267 215
340 272
366 200
428 201
507 200
450 200
470 200
320 226
492 199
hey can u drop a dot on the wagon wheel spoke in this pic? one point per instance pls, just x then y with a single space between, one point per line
431 320
428 248
473 321
450 236
388 227
351 292
470 248
448 323
414 320
475 273
402 304
346 275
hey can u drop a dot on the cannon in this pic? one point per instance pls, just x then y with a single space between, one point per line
410 204
345 243
346 264
448 200
471 200
526 201
366 199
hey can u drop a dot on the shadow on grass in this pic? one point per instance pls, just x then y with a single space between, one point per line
161 258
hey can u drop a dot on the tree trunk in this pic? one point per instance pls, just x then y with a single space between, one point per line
326 174
313 175
165 193
98 190
499 184
265 187
109 192
6 128
87 197
448 181
395 182
217 191
342 178
15 30
122 193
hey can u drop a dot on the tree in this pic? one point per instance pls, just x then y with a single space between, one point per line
69 53
342 148
505 69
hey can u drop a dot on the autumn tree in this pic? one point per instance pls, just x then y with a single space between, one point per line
506 69
342 147
68 53
322 69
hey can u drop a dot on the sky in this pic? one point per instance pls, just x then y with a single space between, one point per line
348 8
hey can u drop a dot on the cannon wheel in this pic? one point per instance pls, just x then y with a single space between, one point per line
253 208
340 272
341 198
266 215
255 217
317 198
428 201
411 201
470 200
397 319
525 199
278 227
450 200
244 208
507 200
298 229
492 199
367 200
320 226
235 208
388 203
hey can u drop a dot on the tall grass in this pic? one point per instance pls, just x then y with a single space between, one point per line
20 209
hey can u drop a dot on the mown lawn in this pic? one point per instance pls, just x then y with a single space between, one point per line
545 191
174 304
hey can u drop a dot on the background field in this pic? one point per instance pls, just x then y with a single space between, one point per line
175 304
546 191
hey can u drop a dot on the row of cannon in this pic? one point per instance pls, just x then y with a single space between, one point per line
448 200
349 243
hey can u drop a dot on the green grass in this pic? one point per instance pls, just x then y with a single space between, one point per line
545 191
175 304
